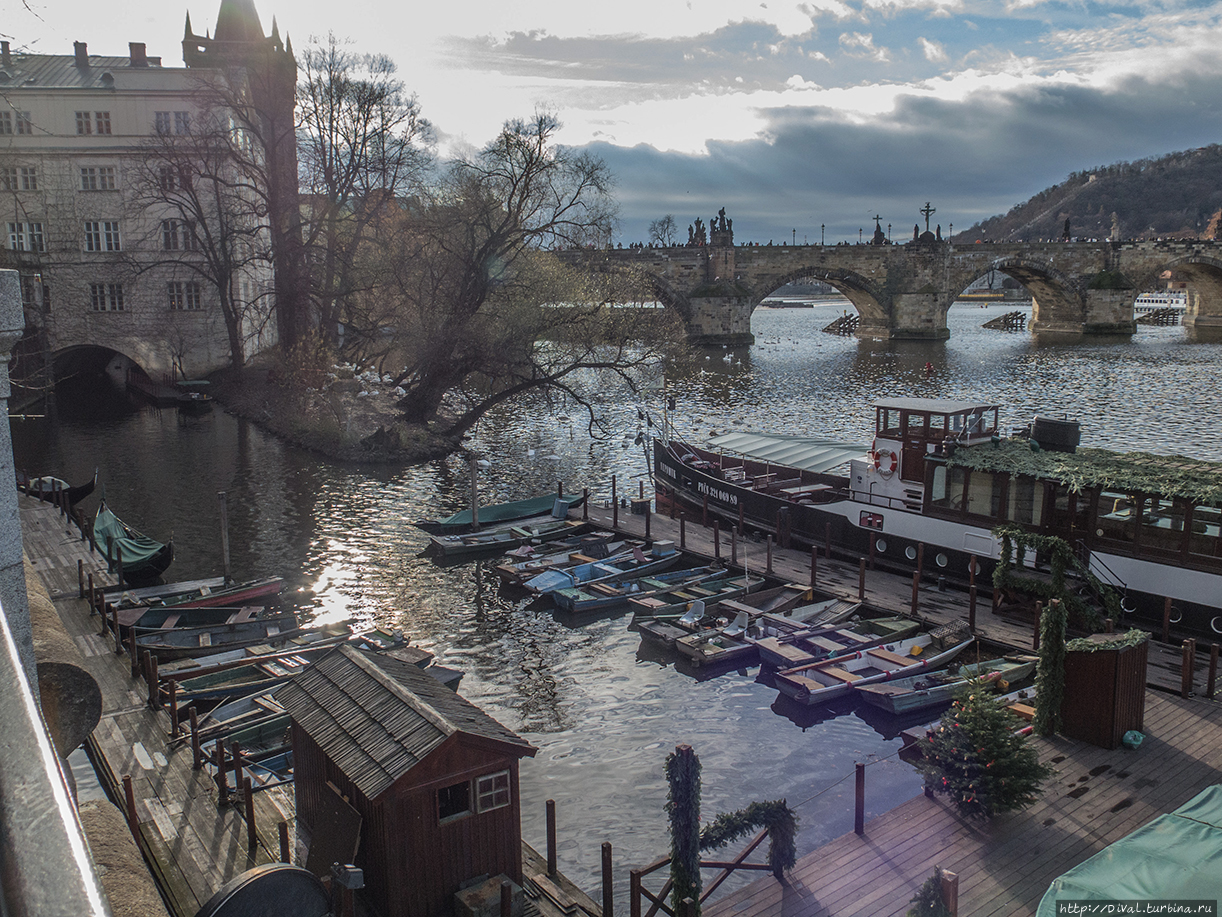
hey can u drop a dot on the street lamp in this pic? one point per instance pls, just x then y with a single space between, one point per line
822 227
888 232
795 237
859 237
952 231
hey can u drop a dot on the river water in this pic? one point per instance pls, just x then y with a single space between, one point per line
602 710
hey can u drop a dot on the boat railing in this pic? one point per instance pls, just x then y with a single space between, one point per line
48 870
638 893
1096 566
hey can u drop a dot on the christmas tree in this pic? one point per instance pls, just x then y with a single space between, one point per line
975 758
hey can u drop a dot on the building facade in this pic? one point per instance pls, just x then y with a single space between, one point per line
120 239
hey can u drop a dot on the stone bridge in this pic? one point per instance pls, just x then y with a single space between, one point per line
902 292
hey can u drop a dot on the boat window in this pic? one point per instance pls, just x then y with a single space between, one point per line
1115 517
937 426
1026 501
888 422
916 425
1162 525
948 484
1206 536
984 494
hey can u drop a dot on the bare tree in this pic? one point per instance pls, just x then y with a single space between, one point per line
362 148
662 231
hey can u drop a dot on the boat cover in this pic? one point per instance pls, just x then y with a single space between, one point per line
1174 857
137 548
507 512
815 455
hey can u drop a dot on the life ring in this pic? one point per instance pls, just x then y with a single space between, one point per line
885 461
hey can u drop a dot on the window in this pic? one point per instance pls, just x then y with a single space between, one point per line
29 178
101 122
178 235
1206 536
169 235
1026 498
984 493
89 179
106 297
183 296
492 791
1162 525
167 178
110 236
84 125
97 178
454 801
6 122
102 236
8 178
1115 515
182 122
25 237
161 122
93 237
106 178
24 124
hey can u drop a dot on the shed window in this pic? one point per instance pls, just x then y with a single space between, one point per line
492 791
454 801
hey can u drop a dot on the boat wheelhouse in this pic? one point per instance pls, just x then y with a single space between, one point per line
940 477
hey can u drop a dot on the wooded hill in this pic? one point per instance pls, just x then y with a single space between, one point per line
1175 196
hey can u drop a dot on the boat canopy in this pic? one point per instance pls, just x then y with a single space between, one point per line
802 452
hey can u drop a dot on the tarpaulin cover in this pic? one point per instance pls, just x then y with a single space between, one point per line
1176 856
816 455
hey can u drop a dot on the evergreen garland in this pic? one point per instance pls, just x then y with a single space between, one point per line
683 807
927 902
1050 672
775 815
1061 557
975 758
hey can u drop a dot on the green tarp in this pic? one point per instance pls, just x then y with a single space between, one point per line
803 452
1177 856
137 549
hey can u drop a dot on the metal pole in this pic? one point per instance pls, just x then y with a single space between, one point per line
224 505
861 581
608 895
474 496
614 504
551 838
859 815
814 565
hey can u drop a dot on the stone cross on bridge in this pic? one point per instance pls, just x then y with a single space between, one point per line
902 292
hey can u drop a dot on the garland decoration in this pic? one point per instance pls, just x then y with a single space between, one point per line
1050 672
1061 558
1134 637
683 807
775 815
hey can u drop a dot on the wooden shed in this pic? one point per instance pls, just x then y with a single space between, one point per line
433 778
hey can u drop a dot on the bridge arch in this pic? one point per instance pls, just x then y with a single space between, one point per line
865 295
1203 274
1056 299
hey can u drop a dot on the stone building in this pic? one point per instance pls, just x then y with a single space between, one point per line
110 226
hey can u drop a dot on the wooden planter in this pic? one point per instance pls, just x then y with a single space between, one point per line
1105 693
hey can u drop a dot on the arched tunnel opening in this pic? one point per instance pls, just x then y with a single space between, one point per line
84 375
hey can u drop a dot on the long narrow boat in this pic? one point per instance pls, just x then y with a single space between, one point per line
47 488
476 543
177 642
773 600
816 643
919 692
198 594
612 592
528 561
632 563
143 559
940 477
144 618
733 640
499 512
833 678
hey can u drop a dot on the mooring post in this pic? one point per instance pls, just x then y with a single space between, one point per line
506 899
551 838
222 778
716 540
916 597
129 796
971 570
585 504
80 578
608 895
114 623
861 581
814 565
110 553
733 545
640 489
687 908
236 751
560 489
174 730
1035 633
950 891
682 531
154 683
1213 671
634 893
1167 620
859 816
614 504
197 758
648 514
740 517
1186 667
119 564
768 557
222 499
971 608
285 854
252 836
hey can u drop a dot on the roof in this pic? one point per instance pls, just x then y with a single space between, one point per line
59 71
803 452
238 20
933 405
1126 472
378 717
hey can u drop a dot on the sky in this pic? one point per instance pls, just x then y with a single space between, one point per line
801 119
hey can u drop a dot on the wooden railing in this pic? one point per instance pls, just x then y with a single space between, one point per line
638 893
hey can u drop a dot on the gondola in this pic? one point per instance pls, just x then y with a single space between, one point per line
46 487
142 558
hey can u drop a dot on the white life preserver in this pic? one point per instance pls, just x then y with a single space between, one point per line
886 462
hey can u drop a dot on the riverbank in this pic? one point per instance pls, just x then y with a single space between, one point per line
343 419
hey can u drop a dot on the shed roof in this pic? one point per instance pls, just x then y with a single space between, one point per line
378 717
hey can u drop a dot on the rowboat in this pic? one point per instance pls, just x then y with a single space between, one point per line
528 560
616 591
142 559
196 594
702 614
476 543
46 488
145 619
499 512
177 642
818 642
919 692
634 562
832 678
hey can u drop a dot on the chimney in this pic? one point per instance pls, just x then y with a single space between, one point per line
82 53
139 53
6 58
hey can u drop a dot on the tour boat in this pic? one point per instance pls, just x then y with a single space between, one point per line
939 478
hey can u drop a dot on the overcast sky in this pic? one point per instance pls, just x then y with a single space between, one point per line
789 115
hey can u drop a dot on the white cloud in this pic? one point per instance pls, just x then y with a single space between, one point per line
932 50
861 44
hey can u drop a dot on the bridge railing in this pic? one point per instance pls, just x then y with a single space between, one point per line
47 868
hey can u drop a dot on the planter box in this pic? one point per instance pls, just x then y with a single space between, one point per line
1105 693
